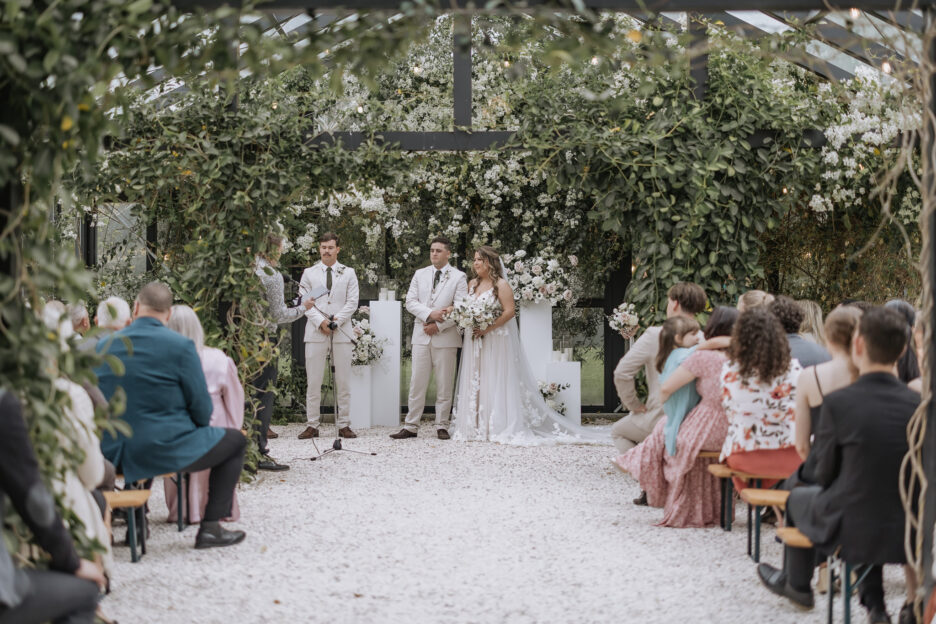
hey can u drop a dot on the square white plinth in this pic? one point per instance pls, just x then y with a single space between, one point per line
568 373
361 397
385 319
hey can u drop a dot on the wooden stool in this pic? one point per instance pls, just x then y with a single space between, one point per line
758 498
135 502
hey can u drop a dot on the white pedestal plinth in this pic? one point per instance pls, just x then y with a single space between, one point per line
536 336
385 318
361 397
568 373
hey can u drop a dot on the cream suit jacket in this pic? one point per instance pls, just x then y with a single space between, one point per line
341 302
421 299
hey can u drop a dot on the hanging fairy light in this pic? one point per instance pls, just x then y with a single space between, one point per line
594 60
855 13
506 63
886 67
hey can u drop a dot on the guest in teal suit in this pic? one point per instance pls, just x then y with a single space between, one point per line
169 411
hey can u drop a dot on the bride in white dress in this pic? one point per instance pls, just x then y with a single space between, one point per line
497 397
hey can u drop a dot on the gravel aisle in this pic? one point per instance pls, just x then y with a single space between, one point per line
432 531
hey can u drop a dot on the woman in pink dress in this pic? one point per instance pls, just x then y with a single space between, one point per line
227 396
667 479
693 497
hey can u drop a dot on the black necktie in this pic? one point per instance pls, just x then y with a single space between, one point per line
328 278
435 280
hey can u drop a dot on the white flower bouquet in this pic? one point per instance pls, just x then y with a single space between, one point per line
540 279
624 318
550 391
470 314
369 348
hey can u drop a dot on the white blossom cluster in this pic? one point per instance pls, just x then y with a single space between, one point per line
369 348
624 318
539 279
861 141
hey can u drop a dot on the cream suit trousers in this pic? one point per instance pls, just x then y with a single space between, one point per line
315 354
426 359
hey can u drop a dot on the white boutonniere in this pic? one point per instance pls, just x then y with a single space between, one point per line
340 270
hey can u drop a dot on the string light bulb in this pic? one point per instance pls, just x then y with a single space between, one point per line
855 13
360 109
886 67
785 191
275 105
506 63
594 60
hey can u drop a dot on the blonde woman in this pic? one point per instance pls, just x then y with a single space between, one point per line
227 398
812 326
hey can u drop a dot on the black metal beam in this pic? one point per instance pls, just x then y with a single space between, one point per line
807 61
652 6
461 69
614 345
840 38
457 141
907 20
929 443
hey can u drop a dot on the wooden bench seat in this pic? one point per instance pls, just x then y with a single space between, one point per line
792 537
765 498
709 454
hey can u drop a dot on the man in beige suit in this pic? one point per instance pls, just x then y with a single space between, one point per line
435 338
685 299
332 316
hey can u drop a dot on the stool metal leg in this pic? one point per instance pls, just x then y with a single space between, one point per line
830 566
757 526
142 525
179 501
730 489
846 592
132 534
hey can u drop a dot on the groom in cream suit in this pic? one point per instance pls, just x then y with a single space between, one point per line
338 305
435 338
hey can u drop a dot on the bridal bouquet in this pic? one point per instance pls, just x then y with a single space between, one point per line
624 318
470 313
550 391
540 279
369 348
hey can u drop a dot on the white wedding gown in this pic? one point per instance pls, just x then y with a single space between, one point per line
497 398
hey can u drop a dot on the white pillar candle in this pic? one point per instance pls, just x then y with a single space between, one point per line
391 295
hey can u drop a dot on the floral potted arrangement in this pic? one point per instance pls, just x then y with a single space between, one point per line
550 392
624 320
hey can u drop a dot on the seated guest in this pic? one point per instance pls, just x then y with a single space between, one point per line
678 336
675 479
791 316
227 398
682 299
113 314
68 590
812 327
817 381
859 447
908 366
169 411
753 298
78 314
759 393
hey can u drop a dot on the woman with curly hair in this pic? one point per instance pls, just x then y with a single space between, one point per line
759 397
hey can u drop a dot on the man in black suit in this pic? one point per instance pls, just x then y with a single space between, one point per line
855 502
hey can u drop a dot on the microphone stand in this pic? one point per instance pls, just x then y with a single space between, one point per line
333 382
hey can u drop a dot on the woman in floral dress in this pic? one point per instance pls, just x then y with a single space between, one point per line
693 498
759 397
680 483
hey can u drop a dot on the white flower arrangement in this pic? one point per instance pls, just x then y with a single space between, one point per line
541 278
470 313
550 391
369 348
624 318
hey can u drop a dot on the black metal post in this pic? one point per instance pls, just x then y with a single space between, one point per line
698 56
9 200
152 235
461 85
614 345
88 241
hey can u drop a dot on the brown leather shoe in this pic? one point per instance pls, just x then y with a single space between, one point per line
345 432
271 435
310 432
402 434
443 434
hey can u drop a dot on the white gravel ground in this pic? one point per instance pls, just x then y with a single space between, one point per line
433 531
